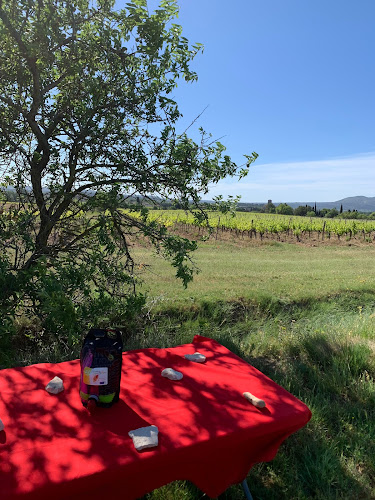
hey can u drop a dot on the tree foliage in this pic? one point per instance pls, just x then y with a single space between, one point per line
269 208
284 209
87 119
302 210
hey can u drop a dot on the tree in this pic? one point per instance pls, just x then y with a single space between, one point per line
87 121
302 210
284 209
333 212
269 208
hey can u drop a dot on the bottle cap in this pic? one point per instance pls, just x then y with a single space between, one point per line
92 403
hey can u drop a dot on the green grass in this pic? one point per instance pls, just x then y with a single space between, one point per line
303 316
283 271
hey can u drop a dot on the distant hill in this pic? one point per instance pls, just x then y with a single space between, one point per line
360 203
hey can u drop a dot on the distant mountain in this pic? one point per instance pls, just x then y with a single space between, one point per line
360 203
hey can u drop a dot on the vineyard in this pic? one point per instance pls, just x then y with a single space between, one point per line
260 226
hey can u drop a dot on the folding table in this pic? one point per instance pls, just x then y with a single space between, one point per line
208 432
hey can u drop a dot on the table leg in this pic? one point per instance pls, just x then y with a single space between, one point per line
246 490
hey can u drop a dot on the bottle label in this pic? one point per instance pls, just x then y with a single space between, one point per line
95 376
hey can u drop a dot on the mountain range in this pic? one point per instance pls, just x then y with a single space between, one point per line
360 203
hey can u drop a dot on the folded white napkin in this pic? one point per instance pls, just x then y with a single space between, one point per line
145 437
55 386
197 357
1 425
171 374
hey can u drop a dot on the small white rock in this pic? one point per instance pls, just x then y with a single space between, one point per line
1 425
197 357
145 437
171 374
55 385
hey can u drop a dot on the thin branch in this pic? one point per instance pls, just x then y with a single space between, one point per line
55 83
80 237
192 123
63 43
102 183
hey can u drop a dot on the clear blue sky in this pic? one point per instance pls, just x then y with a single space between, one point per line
293 80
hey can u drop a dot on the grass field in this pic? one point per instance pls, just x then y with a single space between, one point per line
305 316
285 272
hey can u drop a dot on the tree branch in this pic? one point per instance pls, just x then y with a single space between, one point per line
80 237
37 94
55 83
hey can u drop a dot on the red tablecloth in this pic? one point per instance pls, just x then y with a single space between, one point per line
208 432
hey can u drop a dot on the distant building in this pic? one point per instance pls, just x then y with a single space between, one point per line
269 202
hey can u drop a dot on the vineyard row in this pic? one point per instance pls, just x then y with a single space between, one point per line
259 225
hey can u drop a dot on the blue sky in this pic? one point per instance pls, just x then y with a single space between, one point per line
293 80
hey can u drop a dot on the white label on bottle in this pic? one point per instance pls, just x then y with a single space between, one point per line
98 376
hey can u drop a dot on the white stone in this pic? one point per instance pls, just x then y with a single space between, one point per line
197 357
171 374
55 385
145 437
